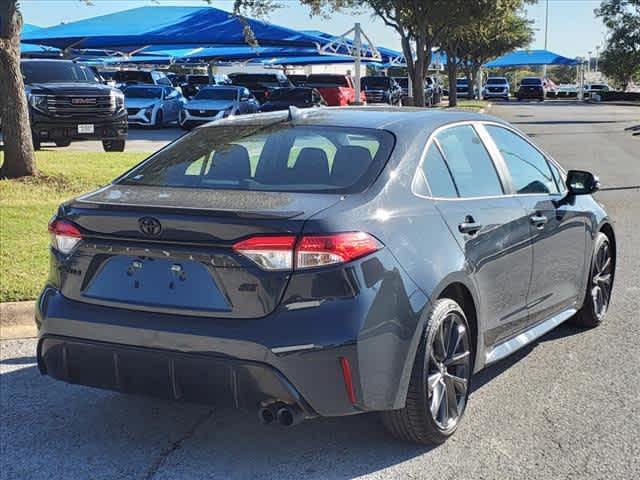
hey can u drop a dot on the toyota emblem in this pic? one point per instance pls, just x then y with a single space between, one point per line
150 226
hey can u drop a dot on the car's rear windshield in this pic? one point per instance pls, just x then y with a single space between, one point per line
496 81
133 76
143 92
281 157
382 82
57 72
326 81
216 94
531 81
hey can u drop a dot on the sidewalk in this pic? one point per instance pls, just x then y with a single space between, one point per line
17 320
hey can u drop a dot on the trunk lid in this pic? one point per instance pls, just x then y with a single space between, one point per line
158 249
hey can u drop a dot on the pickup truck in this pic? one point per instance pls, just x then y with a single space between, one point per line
67 103
337 90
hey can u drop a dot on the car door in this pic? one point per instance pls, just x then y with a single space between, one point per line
489 225
558 229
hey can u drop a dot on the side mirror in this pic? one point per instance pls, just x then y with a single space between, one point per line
580 182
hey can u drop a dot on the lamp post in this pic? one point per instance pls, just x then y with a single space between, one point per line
546 37
597 54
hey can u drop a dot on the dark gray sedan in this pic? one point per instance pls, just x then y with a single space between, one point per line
324 262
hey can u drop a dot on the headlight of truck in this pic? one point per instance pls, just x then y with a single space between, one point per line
117 99
39 102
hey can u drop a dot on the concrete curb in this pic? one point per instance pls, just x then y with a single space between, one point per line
17 320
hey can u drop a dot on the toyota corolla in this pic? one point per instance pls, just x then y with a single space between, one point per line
325 263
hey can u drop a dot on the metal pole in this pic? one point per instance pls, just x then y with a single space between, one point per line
546 30
357 44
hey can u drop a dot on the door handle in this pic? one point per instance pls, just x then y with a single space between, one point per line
469 226
538 220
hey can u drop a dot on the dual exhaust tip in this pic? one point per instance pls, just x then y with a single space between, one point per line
285 415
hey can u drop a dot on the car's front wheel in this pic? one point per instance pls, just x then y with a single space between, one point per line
599 285
113 145
440 379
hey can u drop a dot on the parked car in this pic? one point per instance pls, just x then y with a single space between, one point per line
216 102
152 106
464 90
300 97
316 266
193 83
432 90
378 89
67 102
124 78
531 88
566 90
260 84
177 79
337 90
496 87
591 90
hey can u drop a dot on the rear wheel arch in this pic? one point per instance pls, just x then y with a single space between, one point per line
462 296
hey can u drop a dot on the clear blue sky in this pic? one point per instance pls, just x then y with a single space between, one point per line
573 28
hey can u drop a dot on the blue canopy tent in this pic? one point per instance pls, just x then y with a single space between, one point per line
28 50
136 29
521 58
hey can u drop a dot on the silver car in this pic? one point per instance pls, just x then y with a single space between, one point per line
151 105
215 102
496 87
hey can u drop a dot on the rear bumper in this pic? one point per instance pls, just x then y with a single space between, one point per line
167 374
295 352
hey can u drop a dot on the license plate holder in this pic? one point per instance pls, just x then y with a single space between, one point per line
86 128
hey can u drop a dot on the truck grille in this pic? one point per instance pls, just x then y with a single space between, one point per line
495 89
374 96
81 105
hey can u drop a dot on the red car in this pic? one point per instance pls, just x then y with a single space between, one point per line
337 90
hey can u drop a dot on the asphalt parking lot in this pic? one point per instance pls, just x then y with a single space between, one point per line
565 407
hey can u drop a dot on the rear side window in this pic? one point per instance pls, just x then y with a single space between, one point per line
530 172
280 157
469 162
437 174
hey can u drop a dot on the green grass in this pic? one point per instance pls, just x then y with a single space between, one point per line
473 105
26 205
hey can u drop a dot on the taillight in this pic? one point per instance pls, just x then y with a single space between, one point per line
64 235
311 251
270 253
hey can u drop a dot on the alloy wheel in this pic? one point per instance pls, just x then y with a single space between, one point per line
449 371
601 280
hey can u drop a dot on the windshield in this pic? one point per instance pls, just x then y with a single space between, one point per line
403 82
378 82
216 94
531 81
124 76
462 81
143 92
300 94
278 157
326 81
57 72
496 81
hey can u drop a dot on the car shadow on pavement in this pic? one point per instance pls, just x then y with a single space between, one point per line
77 428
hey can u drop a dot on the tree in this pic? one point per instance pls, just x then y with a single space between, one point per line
19 159
620 65
621 58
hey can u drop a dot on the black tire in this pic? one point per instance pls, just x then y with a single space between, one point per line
63 143
415 422
37 145
113 145
599 284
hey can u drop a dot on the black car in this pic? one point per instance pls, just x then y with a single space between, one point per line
432 89
194 82
300 97
324 263
378 89
530 88
67 102
299 80
261 84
